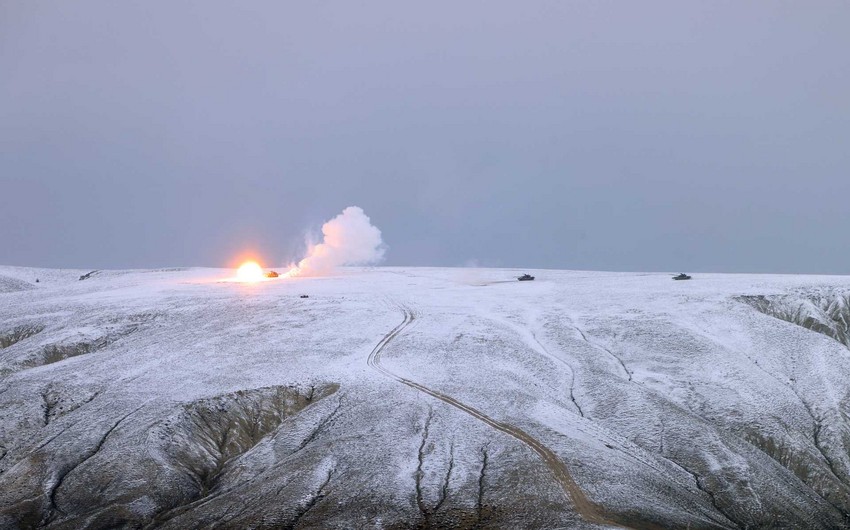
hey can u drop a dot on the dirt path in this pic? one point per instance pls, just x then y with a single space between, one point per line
589 511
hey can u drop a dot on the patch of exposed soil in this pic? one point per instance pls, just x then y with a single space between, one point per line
213 433
827 312
17 334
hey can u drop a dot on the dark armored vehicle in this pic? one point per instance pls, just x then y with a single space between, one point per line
525 278
682 276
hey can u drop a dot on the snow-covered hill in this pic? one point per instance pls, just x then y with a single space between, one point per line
416 397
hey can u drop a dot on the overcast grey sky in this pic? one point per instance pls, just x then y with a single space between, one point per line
701 136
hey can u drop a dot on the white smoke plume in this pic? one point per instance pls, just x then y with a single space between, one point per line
348 239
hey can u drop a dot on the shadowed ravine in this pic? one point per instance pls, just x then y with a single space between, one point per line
827 313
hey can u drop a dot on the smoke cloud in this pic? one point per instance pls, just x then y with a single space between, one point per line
348 239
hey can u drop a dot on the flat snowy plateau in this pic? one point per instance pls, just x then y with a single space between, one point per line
423 398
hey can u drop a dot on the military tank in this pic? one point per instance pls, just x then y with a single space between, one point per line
682 276
525 278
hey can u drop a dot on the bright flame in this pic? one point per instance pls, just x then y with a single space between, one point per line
250 271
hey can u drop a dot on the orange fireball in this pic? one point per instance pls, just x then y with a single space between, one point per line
250 272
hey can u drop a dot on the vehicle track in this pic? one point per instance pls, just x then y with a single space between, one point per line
587 509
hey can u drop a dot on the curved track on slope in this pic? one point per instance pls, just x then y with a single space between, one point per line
587 509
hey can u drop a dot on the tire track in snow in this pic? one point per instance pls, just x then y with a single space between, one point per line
587 509
530 338
606 350
569 367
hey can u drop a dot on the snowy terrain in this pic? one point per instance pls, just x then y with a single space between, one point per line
417 398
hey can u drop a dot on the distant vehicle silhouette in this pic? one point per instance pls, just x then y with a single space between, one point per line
682 276
304 296
272 274
525 278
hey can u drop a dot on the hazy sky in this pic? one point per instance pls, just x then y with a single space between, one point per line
587 135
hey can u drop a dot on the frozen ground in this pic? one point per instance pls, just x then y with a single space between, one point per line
417 398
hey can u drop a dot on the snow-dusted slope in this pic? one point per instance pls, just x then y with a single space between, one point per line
395 398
